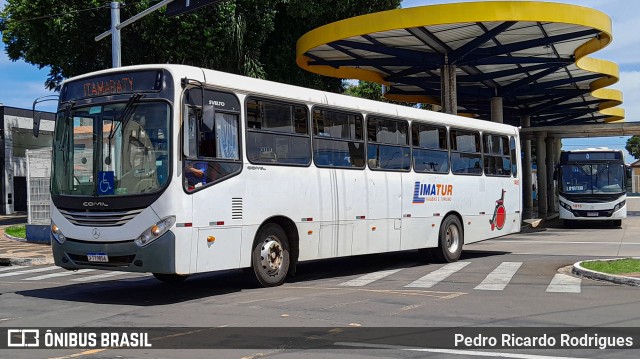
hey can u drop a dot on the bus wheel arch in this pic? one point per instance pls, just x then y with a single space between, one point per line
275 251
450 238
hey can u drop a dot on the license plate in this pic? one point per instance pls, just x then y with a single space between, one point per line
97 257
592 214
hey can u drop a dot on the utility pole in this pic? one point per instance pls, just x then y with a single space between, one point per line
116 57
116 26
174 8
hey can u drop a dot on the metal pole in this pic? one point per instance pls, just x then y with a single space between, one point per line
116 58
134 18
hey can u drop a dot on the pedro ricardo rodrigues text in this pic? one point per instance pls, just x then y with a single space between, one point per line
508 340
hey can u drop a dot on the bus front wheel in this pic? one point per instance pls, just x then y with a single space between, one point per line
450 240
270 256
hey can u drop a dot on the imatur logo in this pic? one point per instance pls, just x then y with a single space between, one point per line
422 191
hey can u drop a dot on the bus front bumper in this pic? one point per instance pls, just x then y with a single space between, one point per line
594 215
156 257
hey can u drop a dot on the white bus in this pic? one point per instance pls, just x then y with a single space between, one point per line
176 170
591 185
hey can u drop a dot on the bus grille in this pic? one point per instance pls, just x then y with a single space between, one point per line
114 261
100 219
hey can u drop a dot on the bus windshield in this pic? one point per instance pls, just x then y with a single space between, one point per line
592 178
111 150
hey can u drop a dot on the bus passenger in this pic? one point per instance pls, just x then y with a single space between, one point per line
194 173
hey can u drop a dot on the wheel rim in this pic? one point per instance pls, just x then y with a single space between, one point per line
453 238
271 256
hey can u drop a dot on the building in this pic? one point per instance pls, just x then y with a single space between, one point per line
635 177
16 136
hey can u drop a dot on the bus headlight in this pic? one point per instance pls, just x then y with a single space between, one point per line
565 206
155 231
619 205
57 233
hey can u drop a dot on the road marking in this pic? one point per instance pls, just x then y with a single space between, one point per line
98 276
369 278
452 351
555 242
488 354
437 275
499 277
4 269
87 352
136 279
29 271
562 283
403 292
61 274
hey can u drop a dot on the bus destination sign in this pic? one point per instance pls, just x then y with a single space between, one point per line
108 87
116 84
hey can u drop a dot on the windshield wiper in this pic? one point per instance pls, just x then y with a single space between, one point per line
124 116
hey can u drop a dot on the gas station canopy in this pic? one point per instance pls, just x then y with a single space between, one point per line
532 55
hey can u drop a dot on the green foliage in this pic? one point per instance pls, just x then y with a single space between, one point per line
18 231
250 37
373 91
619 266
633 146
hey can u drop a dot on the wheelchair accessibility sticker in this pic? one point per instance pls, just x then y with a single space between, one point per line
105 182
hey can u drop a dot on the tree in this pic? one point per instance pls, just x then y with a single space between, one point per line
250 37
633 146
215 36
373 91
294 18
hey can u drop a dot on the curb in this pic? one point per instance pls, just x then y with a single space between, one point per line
25 261
618 279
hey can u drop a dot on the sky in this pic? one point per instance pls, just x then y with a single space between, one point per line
21 83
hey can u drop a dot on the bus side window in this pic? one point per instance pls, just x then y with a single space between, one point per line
497 155
277 132
466 153
337 139
430 149
388 144
211 142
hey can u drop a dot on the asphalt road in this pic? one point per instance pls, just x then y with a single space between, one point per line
514 281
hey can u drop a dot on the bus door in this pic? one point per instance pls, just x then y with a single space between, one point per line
379 229
328 245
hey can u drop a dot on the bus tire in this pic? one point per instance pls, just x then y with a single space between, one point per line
450 240
170 278
617 223
270 255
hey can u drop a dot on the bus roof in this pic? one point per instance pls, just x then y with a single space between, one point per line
248 85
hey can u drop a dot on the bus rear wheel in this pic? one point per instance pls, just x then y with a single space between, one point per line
170 278
270 256
450 241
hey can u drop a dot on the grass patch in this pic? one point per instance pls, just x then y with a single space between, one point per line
19 231
618 266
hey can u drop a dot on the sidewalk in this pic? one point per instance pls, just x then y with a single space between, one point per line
17 252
